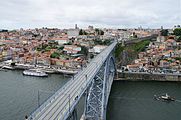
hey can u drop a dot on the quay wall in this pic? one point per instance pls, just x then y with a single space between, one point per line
148 77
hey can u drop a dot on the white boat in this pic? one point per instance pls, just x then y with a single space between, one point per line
50 71
36 73
7 67
65 71
165 97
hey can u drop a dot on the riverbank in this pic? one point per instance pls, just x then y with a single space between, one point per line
43 68
143 76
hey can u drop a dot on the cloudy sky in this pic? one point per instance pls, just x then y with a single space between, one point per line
100 13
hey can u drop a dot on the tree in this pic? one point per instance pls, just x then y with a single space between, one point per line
164 32
61 48
69 43
99 32
84 50
107 42
98 42
3 30
179 39
81 32
84 33
177 32
55 55
48 48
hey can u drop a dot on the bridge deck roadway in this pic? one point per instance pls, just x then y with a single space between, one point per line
59 105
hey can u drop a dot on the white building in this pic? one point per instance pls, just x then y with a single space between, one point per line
60 41
71 49
98 48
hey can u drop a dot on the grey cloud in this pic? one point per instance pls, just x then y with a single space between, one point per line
116 13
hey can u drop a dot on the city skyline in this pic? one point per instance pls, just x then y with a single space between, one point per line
113 14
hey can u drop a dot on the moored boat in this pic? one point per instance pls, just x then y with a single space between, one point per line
7 67
35 72
65 71
49 71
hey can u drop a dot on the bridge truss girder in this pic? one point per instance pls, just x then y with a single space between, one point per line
99 90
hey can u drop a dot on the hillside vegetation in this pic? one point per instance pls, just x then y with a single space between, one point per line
130 52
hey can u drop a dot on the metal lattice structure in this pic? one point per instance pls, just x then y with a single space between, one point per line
95 80
97 97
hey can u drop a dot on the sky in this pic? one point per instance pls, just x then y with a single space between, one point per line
15 14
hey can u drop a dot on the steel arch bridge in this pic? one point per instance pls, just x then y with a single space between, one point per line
94 82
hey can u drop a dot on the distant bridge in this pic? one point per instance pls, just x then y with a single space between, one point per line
94 82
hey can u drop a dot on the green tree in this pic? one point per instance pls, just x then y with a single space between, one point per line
68 43
84 50
118 51
179 39
48 48
84 32
107 42
81 32
99 32
164 32
55 55
98 42
177 32
61 48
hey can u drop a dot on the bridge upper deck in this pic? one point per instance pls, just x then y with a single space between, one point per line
63 101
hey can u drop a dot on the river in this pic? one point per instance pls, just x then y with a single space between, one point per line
127 101
19 94
134 101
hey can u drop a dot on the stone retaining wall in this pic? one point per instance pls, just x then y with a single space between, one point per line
148 77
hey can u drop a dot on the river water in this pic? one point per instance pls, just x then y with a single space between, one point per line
19 94
134 101
127 101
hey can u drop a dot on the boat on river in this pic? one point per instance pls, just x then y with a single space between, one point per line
8 67
165 97
35 72
66 71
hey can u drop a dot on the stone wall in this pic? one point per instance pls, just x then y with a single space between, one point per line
148 77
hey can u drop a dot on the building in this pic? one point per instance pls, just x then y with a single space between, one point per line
160 39
60 40
73 33
90 28
98 48
71 49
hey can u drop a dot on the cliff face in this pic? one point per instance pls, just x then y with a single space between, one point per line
126 54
